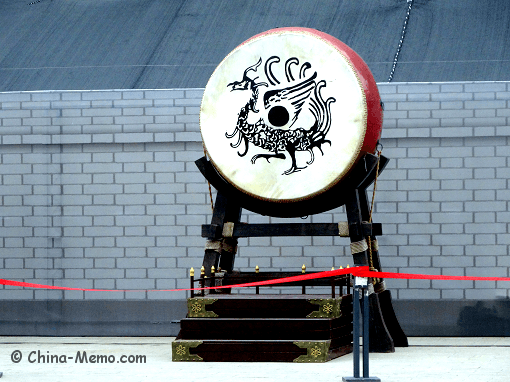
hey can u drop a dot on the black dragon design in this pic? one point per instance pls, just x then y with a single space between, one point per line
283 105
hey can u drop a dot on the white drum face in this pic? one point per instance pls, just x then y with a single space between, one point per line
283 117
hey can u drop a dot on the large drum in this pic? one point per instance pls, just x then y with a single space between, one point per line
287 115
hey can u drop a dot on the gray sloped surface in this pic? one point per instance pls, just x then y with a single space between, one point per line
104 44
451 40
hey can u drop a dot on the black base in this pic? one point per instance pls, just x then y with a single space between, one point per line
265 328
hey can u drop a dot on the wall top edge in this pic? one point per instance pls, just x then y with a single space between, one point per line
98 90
201 89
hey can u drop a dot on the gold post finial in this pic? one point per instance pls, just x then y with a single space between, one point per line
202 270
341 267
257 269
191 272
213 269
303 269
347 265
332 268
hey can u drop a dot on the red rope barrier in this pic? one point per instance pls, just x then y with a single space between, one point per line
412 276
356 271
309 276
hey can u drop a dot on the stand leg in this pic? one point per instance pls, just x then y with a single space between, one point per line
358 241
211 257
356 207
380 340
221 249
384 297
397 334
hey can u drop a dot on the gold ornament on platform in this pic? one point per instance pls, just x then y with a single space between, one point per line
328 308
315 352
196 307
180 350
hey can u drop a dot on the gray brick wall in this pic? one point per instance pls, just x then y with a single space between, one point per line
98 189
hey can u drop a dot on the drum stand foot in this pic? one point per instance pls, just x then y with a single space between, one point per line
390 319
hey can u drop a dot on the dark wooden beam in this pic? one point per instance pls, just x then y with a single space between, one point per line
290 229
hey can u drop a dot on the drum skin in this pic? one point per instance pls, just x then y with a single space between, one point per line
288 114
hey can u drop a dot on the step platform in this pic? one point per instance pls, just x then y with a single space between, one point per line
265 328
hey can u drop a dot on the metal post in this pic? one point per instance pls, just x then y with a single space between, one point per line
355 330
213 280
360 285
365 332
192 282
303 271
202 280
332 282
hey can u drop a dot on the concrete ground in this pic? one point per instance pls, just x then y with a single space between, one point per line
426 359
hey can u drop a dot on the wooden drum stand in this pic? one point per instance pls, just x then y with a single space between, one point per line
282 123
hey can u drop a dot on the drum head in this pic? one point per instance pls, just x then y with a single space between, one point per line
288 113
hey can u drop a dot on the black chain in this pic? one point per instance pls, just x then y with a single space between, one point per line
36 2
399 48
